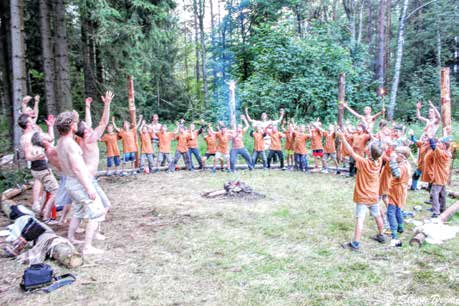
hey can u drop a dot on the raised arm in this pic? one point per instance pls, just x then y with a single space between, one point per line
139 121
87 111
418 113
243 118
437 113
352 111
247 115
281 116
347 145
99 130
378 115
35 107
50 123
114 124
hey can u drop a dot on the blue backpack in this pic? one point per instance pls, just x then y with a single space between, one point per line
39 276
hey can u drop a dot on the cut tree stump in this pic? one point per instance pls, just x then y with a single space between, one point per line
418 239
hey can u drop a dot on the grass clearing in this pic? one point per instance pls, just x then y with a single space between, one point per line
168 245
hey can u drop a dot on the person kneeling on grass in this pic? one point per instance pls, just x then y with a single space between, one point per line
365 191
400 170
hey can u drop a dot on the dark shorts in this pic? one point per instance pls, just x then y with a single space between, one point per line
113 160
209 155
127 157
318 153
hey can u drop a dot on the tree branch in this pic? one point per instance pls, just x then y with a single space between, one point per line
417 9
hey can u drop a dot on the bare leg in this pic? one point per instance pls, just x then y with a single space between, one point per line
99 235
65 212
91 229
379 224
72 229
37 186
358 228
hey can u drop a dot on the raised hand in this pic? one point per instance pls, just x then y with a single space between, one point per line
26 99
37 98
411 132
108 97
88 101
419 105
50 120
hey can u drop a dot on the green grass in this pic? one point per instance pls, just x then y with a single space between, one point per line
280 250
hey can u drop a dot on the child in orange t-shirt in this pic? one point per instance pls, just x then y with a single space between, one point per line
147 148
316 145
129 140
193 145
223 137
164 150
441 159
258 146
211 141
299 147
289 145
330 148
365 191
275 147
400 177
113 153
182 149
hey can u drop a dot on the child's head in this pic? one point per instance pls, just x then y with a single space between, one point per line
361 127
383 124
367 110
264 116
331 128
302 128
403 153
110 128
291 127
274 128
126 125
83 129
259 129
24 121
163 128
182 129
431 113
375 150
192 127
154 118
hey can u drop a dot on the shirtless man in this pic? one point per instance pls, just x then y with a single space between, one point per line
264 123
43 176
432 123
86 202
155 127
90 146
367 118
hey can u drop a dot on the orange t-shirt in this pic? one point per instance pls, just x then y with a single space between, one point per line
258 141
276 144
111 142
359 143
399 186
289 141
423 148
344 150
440 166
222 142
367 181
193 143
165 140
238 140
427 169
211 141
128 140
316 140
330 146
145 140
300 143
182 142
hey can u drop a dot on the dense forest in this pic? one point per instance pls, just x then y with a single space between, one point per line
285 53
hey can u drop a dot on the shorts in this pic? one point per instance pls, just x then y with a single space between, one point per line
127 157
46 177
209 155
318 153
83 207
62 196
330 155
103 197
361 210
111 159
290 152
221 156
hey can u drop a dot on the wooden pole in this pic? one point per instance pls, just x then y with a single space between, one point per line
445 99
341 97
132 109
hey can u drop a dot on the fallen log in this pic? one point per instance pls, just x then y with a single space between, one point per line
449 212
418 239
62 252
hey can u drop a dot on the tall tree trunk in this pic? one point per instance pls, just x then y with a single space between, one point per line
349 8
445 94
99 67
62 63
335 3
359 35
298 21
87 48
398 60
48 58
387 39
370 36
196 44
381 45
17 63
203 49
5 67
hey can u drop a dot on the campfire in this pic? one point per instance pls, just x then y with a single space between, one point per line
234 189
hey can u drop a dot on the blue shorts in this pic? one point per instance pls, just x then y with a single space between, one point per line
129 157
112 159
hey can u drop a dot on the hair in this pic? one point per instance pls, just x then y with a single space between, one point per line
80 129
64 122
37 140
383 123
375 150
404 150
23 120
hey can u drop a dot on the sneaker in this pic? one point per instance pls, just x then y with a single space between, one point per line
338 172
324 171
395 243
434 216
350 246
124 174
428 202
283 169
400 230
108 173
156 171
50 222
379 238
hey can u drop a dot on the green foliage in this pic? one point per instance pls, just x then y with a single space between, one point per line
13 177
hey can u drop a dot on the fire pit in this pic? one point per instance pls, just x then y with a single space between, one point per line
234 189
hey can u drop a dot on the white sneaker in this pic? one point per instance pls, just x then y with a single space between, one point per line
324 171
395 243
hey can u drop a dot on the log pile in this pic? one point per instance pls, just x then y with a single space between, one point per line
234 189
63 253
